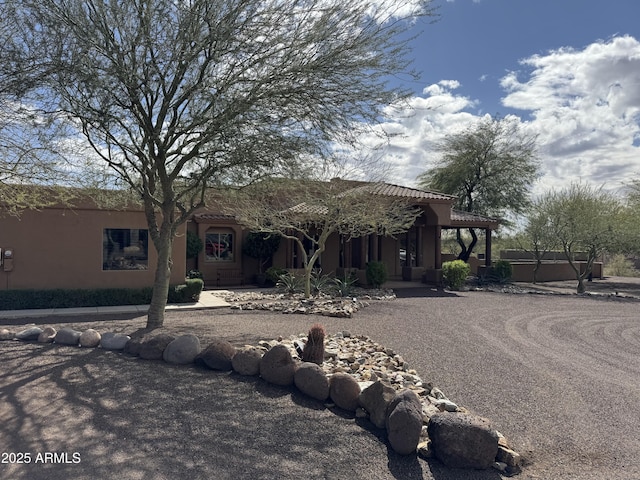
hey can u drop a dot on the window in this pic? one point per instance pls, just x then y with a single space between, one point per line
125 249
218 246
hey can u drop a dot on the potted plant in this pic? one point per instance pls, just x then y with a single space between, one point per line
261 246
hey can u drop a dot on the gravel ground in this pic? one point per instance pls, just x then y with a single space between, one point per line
557 375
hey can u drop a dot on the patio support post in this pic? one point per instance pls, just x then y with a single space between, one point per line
487 249
364 251
438 248
374 248
419 246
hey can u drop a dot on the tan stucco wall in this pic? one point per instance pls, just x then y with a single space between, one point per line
61 248
551 271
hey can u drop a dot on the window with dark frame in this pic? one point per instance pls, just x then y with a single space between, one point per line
125 249
219 246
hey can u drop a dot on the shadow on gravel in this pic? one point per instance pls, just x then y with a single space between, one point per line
426 292
122 417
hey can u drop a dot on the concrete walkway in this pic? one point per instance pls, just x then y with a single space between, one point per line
208 299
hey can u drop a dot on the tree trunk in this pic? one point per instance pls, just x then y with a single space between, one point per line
535 271
465 252
164 244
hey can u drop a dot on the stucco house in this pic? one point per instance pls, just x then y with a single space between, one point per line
415 255
89 246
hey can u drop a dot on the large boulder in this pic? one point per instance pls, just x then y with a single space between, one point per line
463 440
29 334
152 346
68 336
344 391
277 366
375 399
183 350
247 360
114 341
90 338
312 381
47 335
217 356
404 422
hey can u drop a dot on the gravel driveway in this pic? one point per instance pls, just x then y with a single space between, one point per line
559 376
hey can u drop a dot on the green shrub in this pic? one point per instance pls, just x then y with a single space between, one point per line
376 274
194 274
194 245
455 273
502 271
261 246
274 274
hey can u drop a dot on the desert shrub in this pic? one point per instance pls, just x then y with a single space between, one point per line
289 283
376 274
274 274
621 266
502 271
455 273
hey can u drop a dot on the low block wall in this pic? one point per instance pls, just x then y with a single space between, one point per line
550 271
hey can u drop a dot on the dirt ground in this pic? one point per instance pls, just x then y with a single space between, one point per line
556 374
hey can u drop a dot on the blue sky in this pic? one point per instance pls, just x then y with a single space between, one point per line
569 70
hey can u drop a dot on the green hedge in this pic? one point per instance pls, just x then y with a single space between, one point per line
101 297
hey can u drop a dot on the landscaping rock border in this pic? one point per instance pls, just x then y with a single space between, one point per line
341 307
358 375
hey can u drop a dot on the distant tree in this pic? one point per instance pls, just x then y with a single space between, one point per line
175 96
310 215
490 167
584 220
538 237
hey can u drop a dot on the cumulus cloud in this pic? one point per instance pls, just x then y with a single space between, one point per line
412 130
584 105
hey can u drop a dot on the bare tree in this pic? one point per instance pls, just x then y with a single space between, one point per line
490 167
178 96
311 212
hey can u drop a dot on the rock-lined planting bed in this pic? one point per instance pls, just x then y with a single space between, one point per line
341 307
357 375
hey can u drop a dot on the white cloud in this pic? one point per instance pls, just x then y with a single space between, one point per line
417 127
585 109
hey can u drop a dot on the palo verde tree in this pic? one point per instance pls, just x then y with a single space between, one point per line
490 167
310 212
584 220
176 96
537 236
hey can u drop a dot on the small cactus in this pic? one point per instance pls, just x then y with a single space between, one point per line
314 348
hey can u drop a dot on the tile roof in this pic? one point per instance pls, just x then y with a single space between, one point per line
390 190
214 216
458 216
